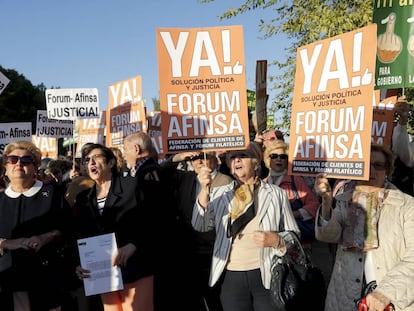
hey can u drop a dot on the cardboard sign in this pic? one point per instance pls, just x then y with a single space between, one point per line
332 106
202 88
72 104
126 111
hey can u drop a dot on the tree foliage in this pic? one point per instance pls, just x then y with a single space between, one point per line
156 103
304 22
409 93
20 100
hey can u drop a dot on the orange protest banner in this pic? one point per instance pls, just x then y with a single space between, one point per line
90 131
332 106
47 145
383 120
126 112
202 88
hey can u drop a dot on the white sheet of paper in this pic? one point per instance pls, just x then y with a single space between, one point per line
96 255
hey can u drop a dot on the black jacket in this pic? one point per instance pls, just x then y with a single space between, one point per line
124 215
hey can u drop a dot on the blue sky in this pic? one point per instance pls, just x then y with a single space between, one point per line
94 43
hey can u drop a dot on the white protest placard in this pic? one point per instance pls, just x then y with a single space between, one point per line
3 82
96 255
51 127
13 132
72 104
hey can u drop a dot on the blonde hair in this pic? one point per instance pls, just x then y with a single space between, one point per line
277 144
24 145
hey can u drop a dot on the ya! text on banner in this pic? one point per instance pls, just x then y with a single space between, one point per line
203 94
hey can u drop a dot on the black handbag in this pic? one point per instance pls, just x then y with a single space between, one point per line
296 284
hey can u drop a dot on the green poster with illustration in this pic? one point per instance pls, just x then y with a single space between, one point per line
395 43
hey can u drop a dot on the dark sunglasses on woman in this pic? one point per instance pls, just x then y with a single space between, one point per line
24 160
275 156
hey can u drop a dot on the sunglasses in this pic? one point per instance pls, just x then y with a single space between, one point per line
94 157
275 156
379 166
25 160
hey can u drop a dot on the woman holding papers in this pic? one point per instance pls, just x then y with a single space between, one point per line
31 227
111 207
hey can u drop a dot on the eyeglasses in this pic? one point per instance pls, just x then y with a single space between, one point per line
379 166
94 157
24 160
275 156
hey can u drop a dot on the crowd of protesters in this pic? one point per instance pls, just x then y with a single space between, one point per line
196 231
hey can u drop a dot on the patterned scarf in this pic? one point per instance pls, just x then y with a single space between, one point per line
242 209
369 203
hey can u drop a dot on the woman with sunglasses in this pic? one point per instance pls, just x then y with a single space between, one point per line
303 201
373 224
31 227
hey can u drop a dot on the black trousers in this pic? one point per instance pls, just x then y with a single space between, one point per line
244 291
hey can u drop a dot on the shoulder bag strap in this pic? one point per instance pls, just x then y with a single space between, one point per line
281 220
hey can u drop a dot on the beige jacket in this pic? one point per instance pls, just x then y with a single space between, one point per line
393 260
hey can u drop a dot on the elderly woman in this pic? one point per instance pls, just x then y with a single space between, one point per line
246 215
373 225
303 201
31 225
110 206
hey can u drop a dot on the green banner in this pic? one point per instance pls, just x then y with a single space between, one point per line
395 44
